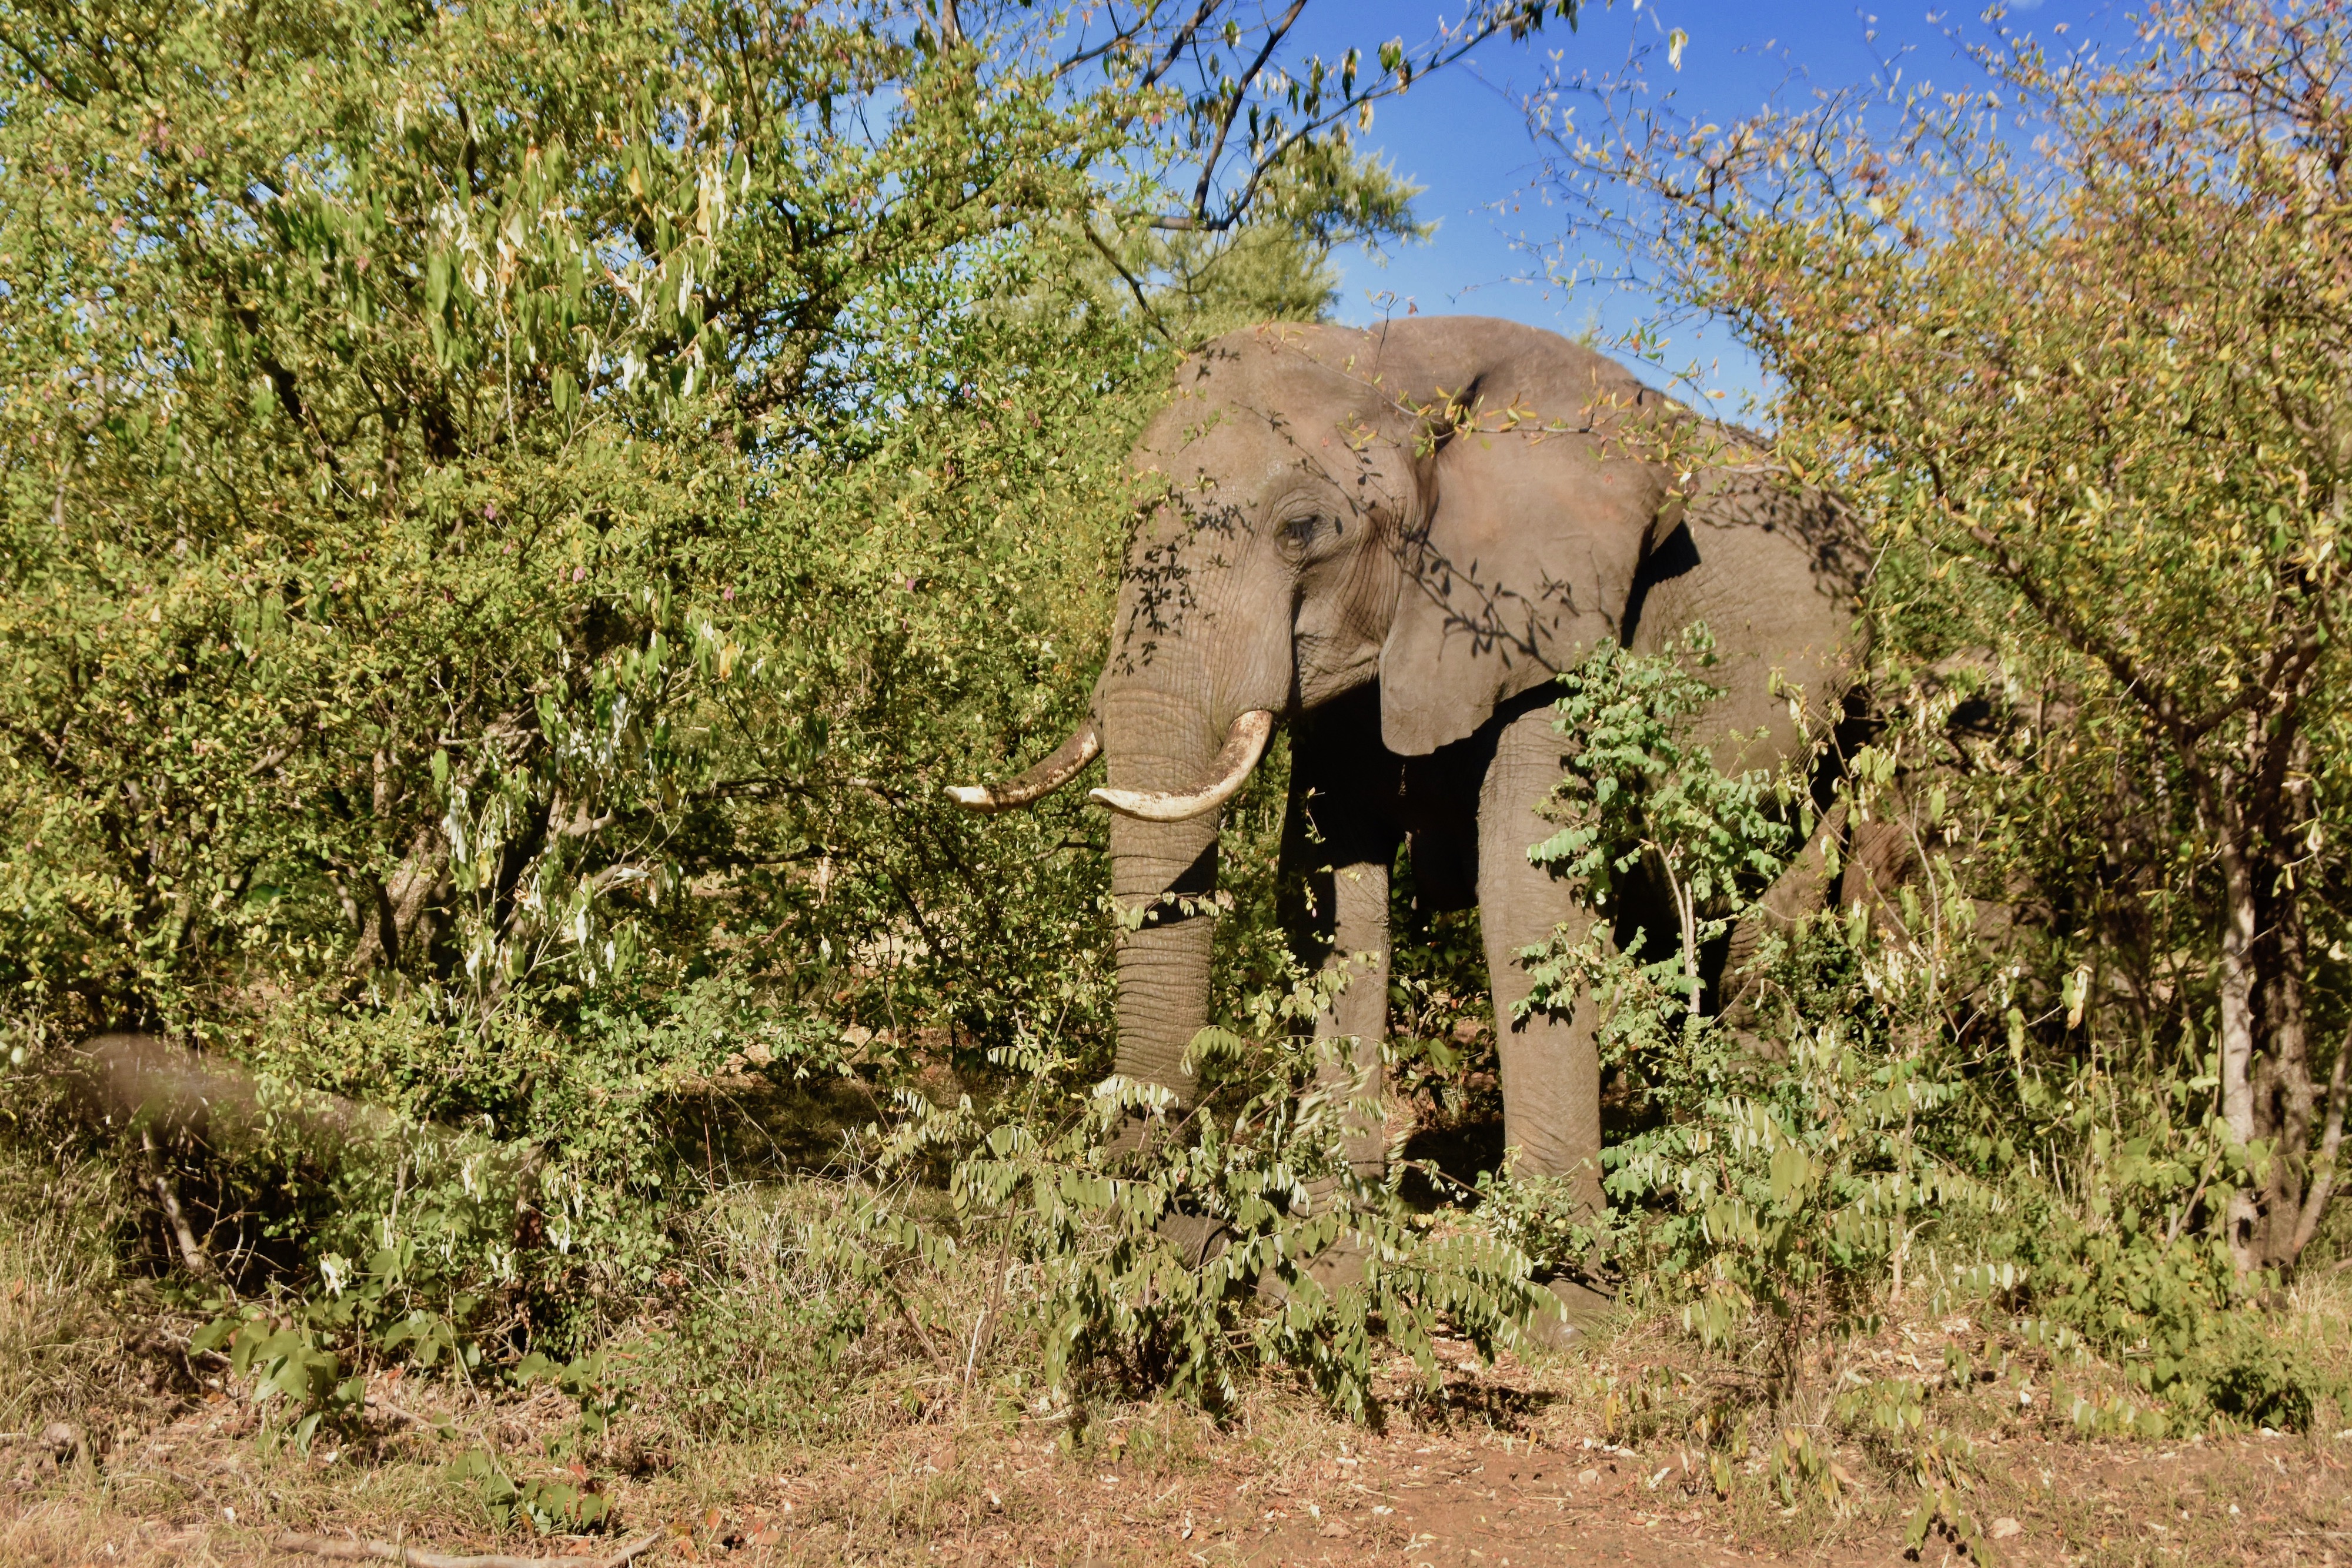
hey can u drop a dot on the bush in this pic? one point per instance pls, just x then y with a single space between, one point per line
1228 1242
494 589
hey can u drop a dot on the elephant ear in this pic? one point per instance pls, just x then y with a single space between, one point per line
1527 548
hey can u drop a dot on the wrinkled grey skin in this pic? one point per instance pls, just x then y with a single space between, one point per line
1400 588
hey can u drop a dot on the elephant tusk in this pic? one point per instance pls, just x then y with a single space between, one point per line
1244 744
1055 771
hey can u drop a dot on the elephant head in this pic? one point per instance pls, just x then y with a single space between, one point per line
1451 509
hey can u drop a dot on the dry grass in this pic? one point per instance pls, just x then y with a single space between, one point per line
76 1329
927 1437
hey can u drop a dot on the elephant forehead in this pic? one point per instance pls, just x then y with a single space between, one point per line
1250 460
1226 428
1409 367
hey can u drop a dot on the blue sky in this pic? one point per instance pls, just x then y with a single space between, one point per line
1461 134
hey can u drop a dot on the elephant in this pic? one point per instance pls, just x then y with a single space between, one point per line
1392 539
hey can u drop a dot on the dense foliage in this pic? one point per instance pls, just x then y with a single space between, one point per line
2096 406
511 510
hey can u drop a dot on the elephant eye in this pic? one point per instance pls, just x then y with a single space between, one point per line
1299 533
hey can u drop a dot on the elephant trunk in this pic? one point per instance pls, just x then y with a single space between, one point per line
1201 664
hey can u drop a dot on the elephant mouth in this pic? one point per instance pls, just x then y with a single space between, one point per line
1245 745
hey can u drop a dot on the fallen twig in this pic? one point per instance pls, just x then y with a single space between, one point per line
192 1252
410 1557
941 1362
378 1401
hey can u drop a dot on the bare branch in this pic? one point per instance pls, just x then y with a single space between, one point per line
1233 108
1133 286
167 1193
1214 111
1177 46
1123 36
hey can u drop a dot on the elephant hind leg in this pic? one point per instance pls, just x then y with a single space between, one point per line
1336 855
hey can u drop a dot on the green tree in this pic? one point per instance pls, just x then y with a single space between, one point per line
2090 386
1642 798
508 510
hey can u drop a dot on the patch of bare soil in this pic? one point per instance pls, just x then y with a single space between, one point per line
1494 1477
1454 1506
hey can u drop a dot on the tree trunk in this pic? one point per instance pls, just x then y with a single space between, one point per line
2268 1100
2240 1215
2282 1090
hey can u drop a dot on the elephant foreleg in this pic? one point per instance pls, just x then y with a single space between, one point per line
1551 1061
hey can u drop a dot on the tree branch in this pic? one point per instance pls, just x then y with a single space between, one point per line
2322 1181
1133 286
1452 45
1129 34
1233 108
2153 694
1183 41
410 1557
192 1252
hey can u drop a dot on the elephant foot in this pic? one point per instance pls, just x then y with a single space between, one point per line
1576 1314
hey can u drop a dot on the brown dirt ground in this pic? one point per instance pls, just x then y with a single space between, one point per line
1500 1476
